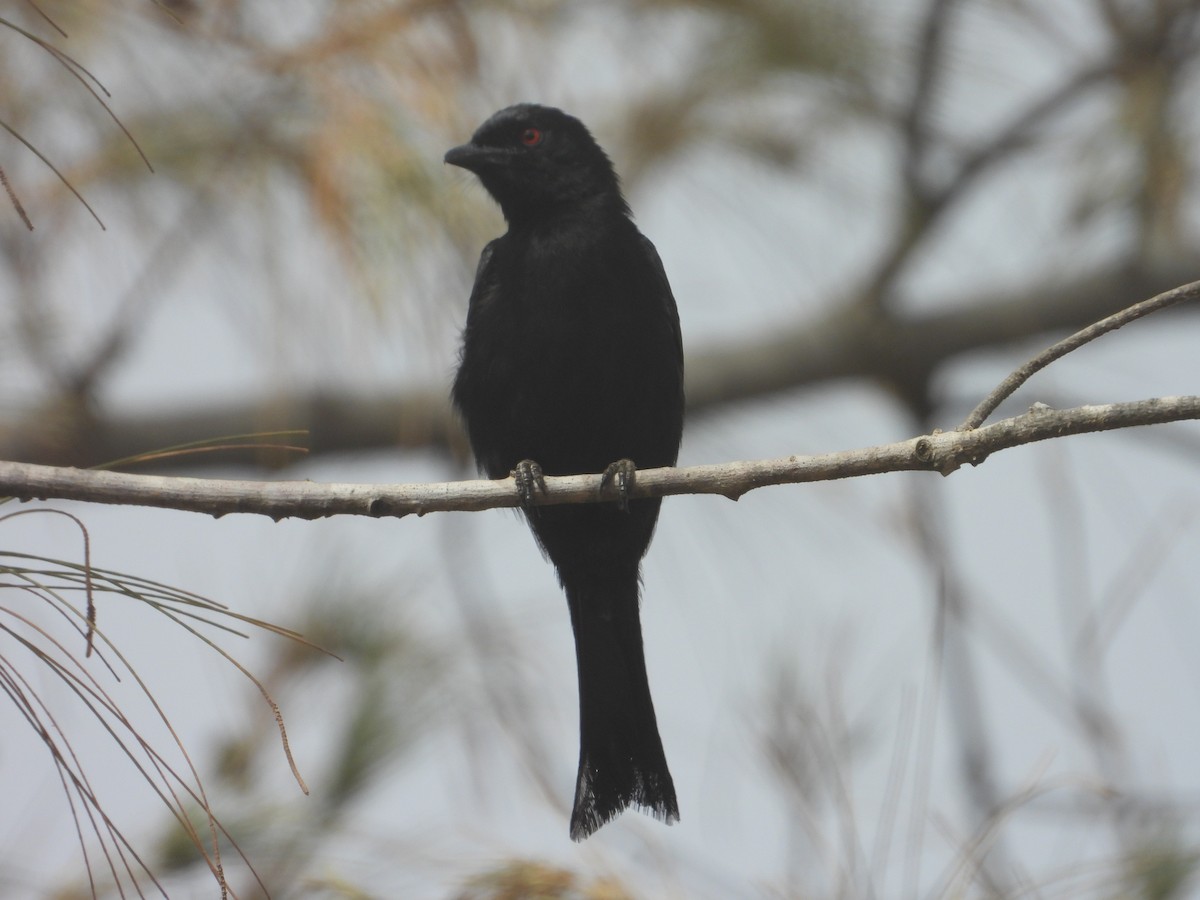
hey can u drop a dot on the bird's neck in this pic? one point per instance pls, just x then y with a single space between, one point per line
592 210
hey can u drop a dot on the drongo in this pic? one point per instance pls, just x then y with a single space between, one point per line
572 363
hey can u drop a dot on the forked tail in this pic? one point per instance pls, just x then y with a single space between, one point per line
621 759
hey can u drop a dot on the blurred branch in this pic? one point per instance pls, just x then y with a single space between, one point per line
899 351
856 341
928 203
938 452
928 67
959 669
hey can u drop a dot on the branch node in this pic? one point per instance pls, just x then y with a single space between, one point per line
923 450
382 507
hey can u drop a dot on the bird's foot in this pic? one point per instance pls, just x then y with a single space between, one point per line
619 476
530 481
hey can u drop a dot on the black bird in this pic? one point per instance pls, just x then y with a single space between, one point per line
572 363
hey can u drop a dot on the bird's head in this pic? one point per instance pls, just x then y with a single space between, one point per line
537 161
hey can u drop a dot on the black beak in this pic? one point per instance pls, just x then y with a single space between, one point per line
469 156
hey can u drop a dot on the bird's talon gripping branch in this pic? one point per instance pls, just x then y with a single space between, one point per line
619 476
530 480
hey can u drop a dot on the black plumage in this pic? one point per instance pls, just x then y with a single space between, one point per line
572 360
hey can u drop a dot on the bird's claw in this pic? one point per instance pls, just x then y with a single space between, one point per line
619 476
530 481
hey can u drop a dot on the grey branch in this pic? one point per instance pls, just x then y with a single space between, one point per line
1010 384
942 452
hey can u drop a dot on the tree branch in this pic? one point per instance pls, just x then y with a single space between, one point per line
939 452
1010 384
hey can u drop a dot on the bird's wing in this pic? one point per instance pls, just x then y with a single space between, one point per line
664 291
485 279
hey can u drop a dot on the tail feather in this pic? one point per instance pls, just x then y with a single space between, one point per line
621 759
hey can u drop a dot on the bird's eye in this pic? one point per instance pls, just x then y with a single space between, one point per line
531 137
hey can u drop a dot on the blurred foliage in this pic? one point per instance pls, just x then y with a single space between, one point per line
350 106
1161 869
381 688
529 880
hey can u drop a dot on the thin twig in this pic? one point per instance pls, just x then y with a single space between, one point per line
61 177
1010 384
49 20
87 570
12 198
78 71
77 68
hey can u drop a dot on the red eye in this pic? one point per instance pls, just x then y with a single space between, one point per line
531 137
